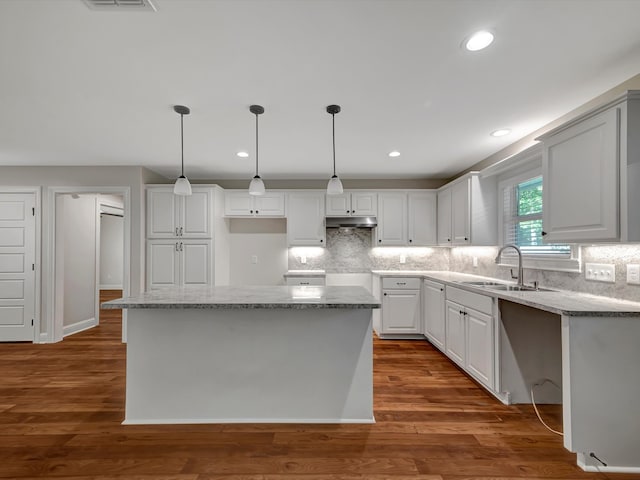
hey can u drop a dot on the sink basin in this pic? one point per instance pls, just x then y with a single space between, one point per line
518 288
483 284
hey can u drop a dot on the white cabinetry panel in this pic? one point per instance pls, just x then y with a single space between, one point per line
455 333
401 311
162 213
580 172
480 351
305 219
392 219
422 219
162 263
434 314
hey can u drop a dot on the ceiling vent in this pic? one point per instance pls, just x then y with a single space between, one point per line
121 5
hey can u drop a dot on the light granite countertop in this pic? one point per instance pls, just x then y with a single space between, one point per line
562 302
249 297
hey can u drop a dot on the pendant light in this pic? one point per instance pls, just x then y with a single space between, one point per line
182 185
334 187
256 187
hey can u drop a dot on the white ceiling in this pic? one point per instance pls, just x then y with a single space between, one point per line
81 87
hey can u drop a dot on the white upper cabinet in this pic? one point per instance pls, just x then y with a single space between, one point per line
444 217
392 219
238 203
591 173
305 219
361 204
421 218
170 215
468 211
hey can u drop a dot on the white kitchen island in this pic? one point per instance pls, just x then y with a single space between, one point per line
249 354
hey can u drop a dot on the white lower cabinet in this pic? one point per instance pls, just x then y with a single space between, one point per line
401 308
470 333
433 313
178 262
455 343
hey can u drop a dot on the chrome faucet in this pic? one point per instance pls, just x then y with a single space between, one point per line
520 276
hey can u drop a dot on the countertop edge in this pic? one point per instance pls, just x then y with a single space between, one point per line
516 297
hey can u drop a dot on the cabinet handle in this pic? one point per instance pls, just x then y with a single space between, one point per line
353 211
385 294
304 283
460 312
180 231
410 240
347 211
250 211
321 240
380 240
448 239
176 231
544 233
401 283
180 246
442 289
466 238
177 247
257 212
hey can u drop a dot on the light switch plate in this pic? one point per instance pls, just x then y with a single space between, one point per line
600 272
633 274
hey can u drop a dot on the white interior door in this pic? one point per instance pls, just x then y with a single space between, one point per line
17 264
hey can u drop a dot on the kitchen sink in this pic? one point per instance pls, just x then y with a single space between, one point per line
482 284
518 288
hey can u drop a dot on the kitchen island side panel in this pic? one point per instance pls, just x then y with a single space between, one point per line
249 365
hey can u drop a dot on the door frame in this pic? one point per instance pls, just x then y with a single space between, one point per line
53 320
38 232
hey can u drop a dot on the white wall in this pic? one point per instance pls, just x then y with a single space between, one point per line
77 230
111 251
121 176
264 238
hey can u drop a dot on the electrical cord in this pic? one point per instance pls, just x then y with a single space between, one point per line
535 408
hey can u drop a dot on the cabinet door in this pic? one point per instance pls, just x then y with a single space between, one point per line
238 204
195 262
455 333
305 219
479 359
434 313
580 172
338 205
392 219
162 263
460 217
364 204
162 212
271 204
195 214
422 218
401 311
444 217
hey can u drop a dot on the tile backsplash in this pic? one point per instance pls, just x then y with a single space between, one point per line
352 251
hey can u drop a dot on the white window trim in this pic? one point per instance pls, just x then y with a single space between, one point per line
509 258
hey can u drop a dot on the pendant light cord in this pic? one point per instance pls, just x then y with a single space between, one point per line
182 141
333 123
257 145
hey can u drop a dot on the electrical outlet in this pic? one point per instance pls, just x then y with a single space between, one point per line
633 274
600 272
303 259
475 261
403 259
254 259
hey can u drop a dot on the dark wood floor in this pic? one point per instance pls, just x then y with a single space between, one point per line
61 406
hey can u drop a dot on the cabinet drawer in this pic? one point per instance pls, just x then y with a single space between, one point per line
315 281
479 302
401 282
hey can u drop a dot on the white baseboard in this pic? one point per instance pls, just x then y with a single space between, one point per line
589 467
110 287
44 338
79 326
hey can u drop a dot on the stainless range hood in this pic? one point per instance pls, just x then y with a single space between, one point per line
353 222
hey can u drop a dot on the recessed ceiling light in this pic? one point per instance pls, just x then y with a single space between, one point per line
501 133
242 154
395 153
479 40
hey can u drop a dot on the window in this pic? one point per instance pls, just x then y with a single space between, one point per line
521 225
